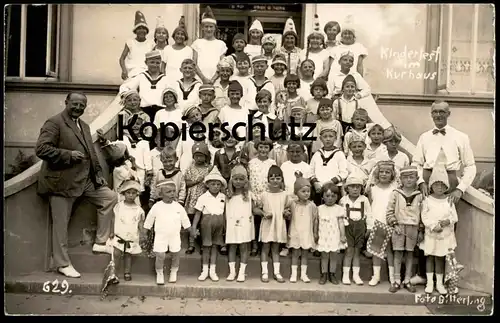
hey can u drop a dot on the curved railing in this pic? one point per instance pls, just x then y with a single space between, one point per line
24 234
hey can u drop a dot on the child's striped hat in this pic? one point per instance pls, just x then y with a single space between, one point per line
206 87
408 169
259 58
208 16
153 54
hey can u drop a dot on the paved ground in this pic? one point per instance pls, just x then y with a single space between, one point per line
124 305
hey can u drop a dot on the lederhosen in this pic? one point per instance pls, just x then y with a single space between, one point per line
152 109
258 87
317 198
356 230
345 125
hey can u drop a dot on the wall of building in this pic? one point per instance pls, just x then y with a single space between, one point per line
25 114
384 29
100 32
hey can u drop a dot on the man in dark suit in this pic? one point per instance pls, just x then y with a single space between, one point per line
70 169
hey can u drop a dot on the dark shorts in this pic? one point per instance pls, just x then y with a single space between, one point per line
212 230
355 233
407 240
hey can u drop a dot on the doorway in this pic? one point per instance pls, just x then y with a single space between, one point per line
237 18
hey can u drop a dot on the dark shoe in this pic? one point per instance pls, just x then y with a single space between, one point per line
323 278
190 250
127 276
409 287
394 287
223 250
333 279
317 253
278 278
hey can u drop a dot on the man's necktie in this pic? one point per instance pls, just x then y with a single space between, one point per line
436 131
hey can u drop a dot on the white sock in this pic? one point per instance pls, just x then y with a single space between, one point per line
264 267
212 269
355 271
243 267
391 274
276 266
205 269
294 273
232 268
303 270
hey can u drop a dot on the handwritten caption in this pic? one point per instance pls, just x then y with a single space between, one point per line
479 302
407 63
56 287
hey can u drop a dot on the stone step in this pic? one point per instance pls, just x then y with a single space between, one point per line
190 265
252 289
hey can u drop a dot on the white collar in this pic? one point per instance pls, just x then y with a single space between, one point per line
270 115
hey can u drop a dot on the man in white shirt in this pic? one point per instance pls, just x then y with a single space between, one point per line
458 152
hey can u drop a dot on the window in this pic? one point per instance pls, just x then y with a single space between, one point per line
32 42
467 46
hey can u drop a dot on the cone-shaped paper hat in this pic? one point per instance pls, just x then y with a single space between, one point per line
439 173
140 21
256 25
215 175
160 23
290 28
208 16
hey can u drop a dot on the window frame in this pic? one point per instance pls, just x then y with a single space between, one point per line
51 76
443 86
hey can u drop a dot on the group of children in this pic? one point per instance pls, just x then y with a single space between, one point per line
273 193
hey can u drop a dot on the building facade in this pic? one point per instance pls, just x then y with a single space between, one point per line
416 53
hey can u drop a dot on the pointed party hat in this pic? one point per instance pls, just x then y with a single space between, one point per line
181 27
290 28
160 23
256 25
215 175
316 28
439 173
208 16
140 21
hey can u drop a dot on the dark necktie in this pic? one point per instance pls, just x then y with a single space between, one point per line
436 131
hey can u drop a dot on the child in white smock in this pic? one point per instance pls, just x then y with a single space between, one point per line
331 232
275 208
208 51
134 53
240 230
303 232
384 176
439 217
168 217
128 222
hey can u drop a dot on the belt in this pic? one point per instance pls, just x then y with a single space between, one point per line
126 243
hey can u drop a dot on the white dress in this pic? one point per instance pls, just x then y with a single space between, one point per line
318 58
357 49
257 175
329 231
305 89
289 169
301 230
274 229
173 59
239 220
433 211
135 62
209 53
380 200
127 218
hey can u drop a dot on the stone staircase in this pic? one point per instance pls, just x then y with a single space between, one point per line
144 283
